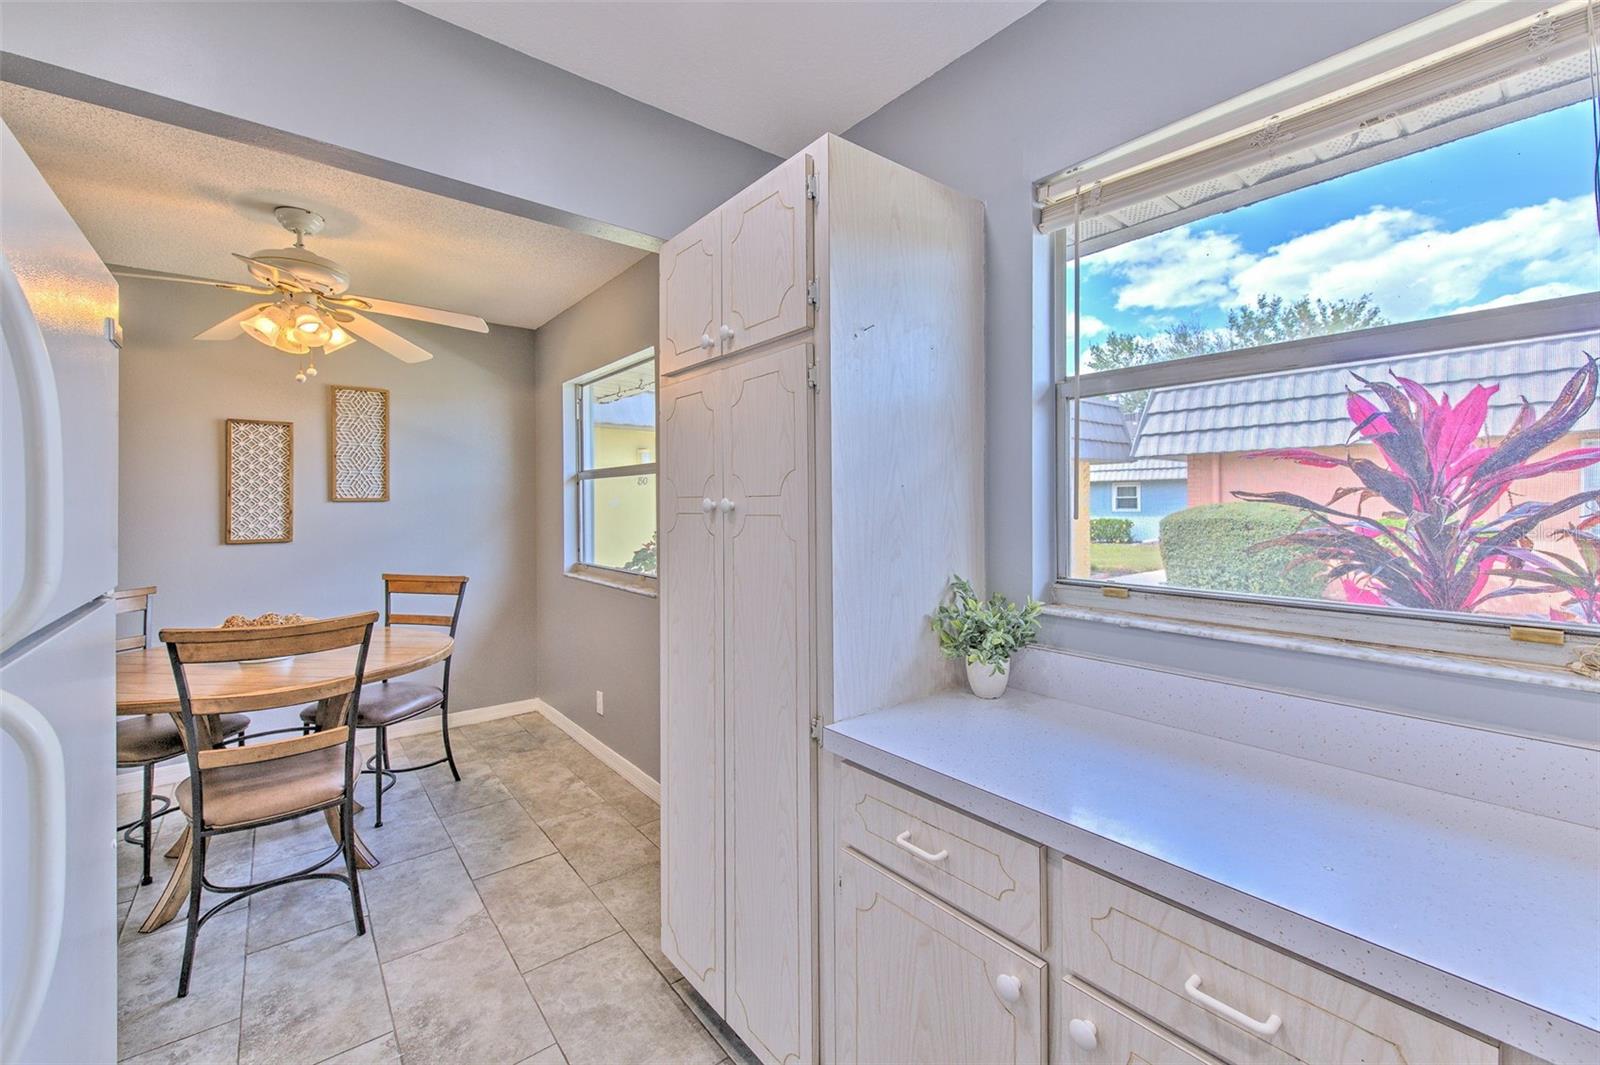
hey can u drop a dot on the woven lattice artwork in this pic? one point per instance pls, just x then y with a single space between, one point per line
358 465
258 491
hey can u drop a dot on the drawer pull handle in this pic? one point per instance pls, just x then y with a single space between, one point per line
903 841
1083 1033
1009 988
1265 1029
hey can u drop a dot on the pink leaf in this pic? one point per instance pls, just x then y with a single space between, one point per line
1354 593
1304 456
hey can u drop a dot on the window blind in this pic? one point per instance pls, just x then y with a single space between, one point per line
1528 65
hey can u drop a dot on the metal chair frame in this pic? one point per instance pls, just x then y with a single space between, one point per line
197 735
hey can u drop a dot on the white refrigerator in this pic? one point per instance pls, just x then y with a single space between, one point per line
58 561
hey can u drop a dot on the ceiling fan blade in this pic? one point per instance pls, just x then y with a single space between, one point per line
157 275
414 312
268 274
392 342
228 328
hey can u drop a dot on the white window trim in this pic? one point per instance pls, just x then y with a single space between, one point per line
575 475
1138 498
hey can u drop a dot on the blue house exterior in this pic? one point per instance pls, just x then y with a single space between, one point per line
1145 491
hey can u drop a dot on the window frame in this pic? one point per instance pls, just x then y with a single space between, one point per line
580 538
1501 638
1138 498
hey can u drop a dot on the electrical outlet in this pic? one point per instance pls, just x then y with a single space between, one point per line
600 702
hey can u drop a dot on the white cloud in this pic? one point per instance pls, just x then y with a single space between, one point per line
1410 265
1549 291
1089 325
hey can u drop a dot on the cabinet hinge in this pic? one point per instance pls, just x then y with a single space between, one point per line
811 377
816 729
811 186
814 292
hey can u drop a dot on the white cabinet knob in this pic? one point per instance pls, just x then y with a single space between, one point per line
707 506
1083 1034
706 342
727 332
726 506
1009 988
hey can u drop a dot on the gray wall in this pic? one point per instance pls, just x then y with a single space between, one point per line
463 464
589 636
387 80
1061 84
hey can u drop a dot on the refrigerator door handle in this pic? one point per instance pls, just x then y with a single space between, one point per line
47 847
44 521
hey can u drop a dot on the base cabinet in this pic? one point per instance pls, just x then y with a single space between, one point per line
915 981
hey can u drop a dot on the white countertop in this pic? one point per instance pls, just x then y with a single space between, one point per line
1474 911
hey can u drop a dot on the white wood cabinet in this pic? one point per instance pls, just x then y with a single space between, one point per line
919 983
769 514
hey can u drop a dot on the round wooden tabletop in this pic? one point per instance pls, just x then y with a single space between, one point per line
145 684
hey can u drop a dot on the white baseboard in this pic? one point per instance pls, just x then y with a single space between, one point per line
175 770
597 747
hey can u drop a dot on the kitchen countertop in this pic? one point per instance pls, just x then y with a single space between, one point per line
1487 916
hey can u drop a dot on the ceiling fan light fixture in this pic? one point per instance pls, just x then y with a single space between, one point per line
290 343
336 338
310 322
263 325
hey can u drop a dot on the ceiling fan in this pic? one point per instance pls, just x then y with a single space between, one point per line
311 308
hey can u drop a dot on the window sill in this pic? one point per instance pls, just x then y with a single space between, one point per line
1454 664
633 583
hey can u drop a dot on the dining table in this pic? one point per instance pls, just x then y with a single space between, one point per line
145 685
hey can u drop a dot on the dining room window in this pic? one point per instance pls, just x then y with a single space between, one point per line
613 494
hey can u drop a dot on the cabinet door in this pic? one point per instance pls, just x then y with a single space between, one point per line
767 577
766 259
690 296
915 981
692 767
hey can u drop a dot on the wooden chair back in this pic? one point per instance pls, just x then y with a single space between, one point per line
134 601
423 584
187 647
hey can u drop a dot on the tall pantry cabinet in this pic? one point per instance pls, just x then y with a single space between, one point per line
820 436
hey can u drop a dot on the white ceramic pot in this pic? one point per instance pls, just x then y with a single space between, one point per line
985 681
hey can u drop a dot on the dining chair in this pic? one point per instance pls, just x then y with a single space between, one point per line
387 703
146 740
238 789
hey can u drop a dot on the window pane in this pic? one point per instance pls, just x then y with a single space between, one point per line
619 418
619 522
1461 481
1498 218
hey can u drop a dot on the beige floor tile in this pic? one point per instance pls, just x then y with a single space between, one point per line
149 1012
228 861
290 911
501 734
307 834
495 837
478 786
419 902
214 1046
550 1055
738 1053
547 788
545 733
634 899
385 1050
600 843
639 808
652 831
405 786
463 1001
410 828
544 910
607 1003
312 998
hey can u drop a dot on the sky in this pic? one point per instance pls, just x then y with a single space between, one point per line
1500 217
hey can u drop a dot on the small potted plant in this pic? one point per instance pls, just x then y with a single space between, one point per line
984 634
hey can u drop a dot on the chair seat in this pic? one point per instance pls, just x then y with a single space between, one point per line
256 791
385 704
155 737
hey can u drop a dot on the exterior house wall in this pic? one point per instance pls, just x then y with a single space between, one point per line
624 507
1157 499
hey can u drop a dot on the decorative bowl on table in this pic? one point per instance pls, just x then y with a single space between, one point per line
260 621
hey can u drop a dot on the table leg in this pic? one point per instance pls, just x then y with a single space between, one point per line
176 894
331 713
365 859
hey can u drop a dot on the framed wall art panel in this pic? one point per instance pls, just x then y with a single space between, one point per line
258 482
358 444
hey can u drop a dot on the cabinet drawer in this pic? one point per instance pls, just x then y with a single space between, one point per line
1112 1036
985 871
1233 996
916 983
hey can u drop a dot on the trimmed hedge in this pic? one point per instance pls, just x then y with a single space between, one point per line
1111 530
1209 547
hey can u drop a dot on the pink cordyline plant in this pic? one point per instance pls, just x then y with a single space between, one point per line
1435 546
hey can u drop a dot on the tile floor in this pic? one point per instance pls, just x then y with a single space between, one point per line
513 918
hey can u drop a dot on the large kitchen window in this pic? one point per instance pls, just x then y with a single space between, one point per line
1346 353
614 480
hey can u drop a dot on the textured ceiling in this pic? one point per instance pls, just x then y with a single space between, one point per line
159 197
773 74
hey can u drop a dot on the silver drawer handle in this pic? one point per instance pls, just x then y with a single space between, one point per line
1265 1029
903 841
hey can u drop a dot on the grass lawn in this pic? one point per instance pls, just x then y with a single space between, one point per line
1119 560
